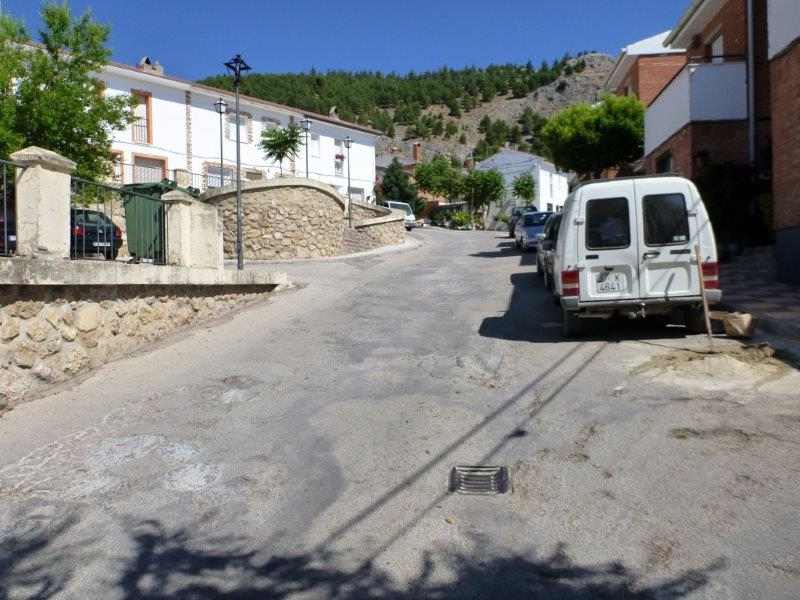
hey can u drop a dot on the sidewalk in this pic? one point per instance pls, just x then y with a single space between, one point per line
749 285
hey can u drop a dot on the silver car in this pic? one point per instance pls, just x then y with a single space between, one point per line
528 229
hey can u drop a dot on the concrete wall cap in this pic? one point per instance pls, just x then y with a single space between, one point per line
217 195
33 155
177 197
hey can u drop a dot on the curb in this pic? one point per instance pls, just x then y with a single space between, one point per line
766 323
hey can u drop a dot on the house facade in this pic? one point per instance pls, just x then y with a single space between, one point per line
717 107
552 186
178 133
784 61
644 68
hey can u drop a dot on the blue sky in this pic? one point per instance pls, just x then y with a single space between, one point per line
192 38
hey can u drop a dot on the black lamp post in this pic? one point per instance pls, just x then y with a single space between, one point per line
348 142
222 108
306 123
236 66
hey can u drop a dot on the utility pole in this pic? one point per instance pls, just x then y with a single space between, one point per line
348 142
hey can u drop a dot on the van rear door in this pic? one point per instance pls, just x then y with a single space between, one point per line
607 242
667 231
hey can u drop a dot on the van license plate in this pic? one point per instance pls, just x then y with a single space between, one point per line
609 283
101 244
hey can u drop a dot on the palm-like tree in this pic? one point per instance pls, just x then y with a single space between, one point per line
281 143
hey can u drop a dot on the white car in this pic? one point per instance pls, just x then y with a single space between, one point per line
410 221
627 246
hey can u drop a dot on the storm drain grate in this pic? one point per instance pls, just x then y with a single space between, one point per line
488 481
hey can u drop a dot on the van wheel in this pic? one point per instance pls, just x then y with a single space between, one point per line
695 320
570 323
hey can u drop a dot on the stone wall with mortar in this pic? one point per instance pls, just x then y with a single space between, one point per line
49 334
283 218
301 218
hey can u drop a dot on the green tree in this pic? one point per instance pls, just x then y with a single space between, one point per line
438 177
49 96
589 138
480 188
525 187
396 185
281 143
450 129
462 139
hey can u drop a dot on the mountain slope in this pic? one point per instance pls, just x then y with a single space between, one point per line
568 89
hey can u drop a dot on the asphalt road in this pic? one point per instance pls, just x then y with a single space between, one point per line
302 449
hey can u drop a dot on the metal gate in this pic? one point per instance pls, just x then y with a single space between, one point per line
8 208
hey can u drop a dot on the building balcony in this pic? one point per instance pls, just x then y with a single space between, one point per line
707 91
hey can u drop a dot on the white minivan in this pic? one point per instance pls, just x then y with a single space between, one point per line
627 246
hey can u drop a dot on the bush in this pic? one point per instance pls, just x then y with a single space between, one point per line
461 220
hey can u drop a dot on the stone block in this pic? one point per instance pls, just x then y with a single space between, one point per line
88 317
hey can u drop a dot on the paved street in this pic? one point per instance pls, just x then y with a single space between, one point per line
302 448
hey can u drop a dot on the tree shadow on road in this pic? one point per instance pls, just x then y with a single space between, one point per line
181 563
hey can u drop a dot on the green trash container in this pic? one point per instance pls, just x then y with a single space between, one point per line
146 220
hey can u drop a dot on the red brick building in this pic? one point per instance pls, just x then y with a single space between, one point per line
710 111
784 56
644 68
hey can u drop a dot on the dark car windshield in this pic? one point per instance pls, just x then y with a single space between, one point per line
534 219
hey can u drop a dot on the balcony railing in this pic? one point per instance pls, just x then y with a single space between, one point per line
139 131
702 91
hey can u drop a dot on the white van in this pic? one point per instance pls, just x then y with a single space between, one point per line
627 246
410 221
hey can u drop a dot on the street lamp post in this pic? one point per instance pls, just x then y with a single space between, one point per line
348 142
236 66
306 122
222 108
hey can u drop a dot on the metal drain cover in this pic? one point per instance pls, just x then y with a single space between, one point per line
487 481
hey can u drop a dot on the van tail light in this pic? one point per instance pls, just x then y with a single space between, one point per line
570 283
117 232
711 275
78 231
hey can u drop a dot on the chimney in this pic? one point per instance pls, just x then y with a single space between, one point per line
417 152
148 65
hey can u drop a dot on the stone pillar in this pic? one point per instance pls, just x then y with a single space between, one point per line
194 232
43 201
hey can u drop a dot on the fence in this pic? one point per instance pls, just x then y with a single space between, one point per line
108 222
8 222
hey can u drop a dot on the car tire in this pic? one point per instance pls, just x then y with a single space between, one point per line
546 279
571 325
539 270
695 320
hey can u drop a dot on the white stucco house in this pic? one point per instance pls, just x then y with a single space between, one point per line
552 186
177 135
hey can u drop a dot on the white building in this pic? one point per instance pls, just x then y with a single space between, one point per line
552 186
177 135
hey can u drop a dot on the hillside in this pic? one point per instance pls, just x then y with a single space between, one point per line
447 110
566 90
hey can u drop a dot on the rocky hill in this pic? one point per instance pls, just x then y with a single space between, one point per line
568 89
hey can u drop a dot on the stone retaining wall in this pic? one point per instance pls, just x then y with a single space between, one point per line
283 218
49 334
368 237
301 218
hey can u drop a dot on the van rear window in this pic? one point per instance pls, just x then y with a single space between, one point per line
666 221
607 224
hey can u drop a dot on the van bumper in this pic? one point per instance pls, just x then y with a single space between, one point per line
574 304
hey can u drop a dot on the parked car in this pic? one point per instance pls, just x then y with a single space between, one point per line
8 235
545 248
528 229
627 247
410 221
516 213
93 232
